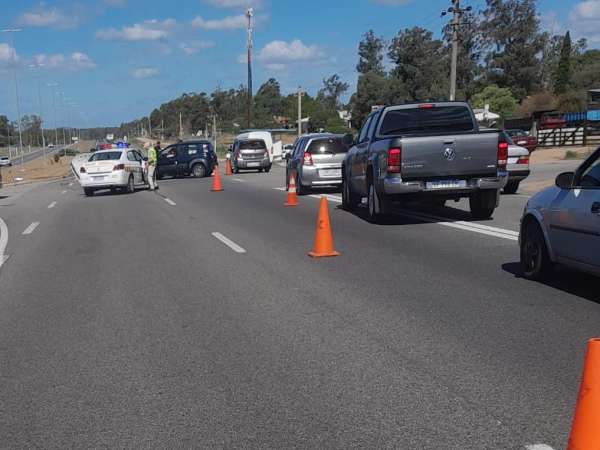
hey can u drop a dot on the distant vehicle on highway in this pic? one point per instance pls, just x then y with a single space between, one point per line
429 152
561 224
249 153
50 145
115 169
195 158
5 161
518 165
316 161
523 139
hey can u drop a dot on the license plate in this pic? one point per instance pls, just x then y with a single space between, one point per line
330 173
98 178
521 142
253 164
446 184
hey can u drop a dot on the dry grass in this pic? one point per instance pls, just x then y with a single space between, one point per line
37 170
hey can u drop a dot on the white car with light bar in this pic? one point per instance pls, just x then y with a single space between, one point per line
115 169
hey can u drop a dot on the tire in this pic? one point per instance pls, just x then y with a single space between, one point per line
535 260
88 192
198 171
301 190
349 199
267 169
483 204
159 176
378 209
130 189
260 170
511 187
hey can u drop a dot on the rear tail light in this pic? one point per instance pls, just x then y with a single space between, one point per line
119 167
308 159
394 164
502 155
523 160
82 170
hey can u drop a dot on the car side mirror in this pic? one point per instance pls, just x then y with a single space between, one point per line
348 140
565 180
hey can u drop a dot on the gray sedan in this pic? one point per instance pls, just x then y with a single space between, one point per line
562 223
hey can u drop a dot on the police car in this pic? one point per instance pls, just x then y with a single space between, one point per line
117 168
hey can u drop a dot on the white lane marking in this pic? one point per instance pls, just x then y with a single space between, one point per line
30 228
229 243
51 205
280 189
170 202
63 192
469 224
538 447
239 180
70 184
3 241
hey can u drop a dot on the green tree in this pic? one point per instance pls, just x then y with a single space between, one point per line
501 101
370 54
268 103
421 63
333 88
562 78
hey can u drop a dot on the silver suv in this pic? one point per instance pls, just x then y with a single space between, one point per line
316 161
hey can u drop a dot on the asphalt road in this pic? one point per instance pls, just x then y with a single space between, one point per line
124 323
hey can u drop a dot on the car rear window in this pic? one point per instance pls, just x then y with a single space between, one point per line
327 146
441 119
256 144
106 156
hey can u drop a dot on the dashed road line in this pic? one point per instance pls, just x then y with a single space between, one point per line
51 205
3 242
538 447
30 229
239 180
229 243
329 197
63 192
170 202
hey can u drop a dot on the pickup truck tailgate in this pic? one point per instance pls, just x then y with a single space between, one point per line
460 156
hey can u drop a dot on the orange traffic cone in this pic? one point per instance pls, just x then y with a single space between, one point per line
216 187
585 433
323 246
292 198
228 168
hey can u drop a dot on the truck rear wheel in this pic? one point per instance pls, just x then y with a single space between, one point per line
378 206
511 187
483 204
349 199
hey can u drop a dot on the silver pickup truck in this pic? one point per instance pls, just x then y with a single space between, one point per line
430 152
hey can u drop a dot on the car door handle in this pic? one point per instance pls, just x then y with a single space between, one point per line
596 208
449 142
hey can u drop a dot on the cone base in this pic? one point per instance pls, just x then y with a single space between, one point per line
216 190
323 255
290 204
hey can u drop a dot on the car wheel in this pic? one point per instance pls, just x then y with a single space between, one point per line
198 171
511 187
378 209
260 170
159 176
300 190
267 169
483 204
535 261
349 199
88 192
130 189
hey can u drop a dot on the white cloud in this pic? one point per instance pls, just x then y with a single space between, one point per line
193 47
226 23
234 3
75 61
278 52
150 30
585 20
117 3
144 72
43 17
7 53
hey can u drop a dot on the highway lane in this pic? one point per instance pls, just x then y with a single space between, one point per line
419 336
30 156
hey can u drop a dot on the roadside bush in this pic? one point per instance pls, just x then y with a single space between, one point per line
56 157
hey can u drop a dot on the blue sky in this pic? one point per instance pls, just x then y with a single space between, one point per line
114 60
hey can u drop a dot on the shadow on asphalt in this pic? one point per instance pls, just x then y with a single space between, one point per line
566 280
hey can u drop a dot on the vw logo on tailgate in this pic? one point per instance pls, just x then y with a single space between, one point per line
449 154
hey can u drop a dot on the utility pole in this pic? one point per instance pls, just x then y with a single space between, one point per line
300 94
215 132
162 129
457 13
39 89
249 14
180 127
11 32
150 126
53 86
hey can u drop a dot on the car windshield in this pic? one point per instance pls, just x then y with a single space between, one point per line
106 156
327 146
430 120
255 144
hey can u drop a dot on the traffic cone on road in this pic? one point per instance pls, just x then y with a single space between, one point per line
292 198
585 433
323 246
216 187
228 172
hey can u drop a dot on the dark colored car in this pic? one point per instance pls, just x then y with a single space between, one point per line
195 158
523 139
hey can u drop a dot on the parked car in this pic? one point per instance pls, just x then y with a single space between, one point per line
116 169
552 121
190 158
250 154
523 139
561 224
430 152
287 151
518 165
5 161
316 161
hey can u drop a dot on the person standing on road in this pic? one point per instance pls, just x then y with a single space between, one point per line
152 160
